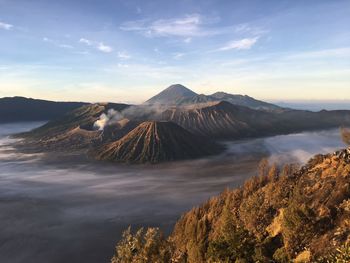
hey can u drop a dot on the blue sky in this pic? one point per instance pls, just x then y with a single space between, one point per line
127 51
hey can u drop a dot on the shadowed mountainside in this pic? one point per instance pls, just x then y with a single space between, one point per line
223 120
244 100
16 109
282 215
83 117
153 142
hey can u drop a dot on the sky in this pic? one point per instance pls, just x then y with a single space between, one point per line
127 51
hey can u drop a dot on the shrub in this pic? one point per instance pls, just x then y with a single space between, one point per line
142 247
234 244
281 255
341 255
298 227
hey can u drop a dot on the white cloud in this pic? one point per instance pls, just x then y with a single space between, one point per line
189 27
178 56
5 26
245 43
242 28
122 65
186 26
98 45
336 53
57 44
123 55
65 46
104 48
86 41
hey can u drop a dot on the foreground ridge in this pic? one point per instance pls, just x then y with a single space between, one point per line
281 215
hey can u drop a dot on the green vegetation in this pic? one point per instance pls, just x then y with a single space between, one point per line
233 242
284 214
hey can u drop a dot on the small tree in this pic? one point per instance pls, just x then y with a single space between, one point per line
143 247
234 243
345 135
273 173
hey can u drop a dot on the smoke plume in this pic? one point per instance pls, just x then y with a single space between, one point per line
140 112
110 118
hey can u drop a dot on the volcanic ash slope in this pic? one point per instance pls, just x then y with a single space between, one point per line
153 142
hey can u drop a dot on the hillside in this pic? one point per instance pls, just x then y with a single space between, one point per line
76 138
153 142
83 117
220 120
16 109
223 120
282 215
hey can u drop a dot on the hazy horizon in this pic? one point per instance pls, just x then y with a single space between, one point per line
312 105
129 51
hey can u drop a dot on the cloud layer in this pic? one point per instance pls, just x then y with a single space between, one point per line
186 26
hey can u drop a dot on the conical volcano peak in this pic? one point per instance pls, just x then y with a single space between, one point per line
172 95
180 89
156 141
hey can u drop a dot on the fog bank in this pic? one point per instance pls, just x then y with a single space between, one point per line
66 209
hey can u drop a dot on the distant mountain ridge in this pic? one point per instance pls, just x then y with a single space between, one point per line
179 95
117 133
15 109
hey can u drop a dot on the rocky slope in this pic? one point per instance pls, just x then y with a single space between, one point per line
153 142
84 117
223 120
75 130
282 215
74 139
219 120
